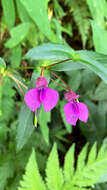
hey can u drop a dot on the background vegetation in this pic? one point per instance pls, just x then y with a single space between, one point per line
57 30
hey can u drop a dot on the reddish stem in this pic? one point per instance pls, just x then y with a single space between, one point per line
60 79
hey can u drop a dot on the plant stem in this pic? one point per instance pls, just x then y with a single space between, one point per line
57 63
20 68
59 84
60 79
17 82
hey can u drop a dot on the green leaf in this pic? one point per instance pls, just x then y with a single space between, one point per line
16 53
100 92
96 66
22 13
32 179
92 170
97 10
49 51
9 12
100 38
6 169
69 164
95 128
25 127
2 63
81 158
44 118
53 172
81 59
37 11
18 33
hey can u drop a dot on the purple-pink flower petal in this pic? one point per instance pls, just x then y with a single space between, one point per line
32 99
71 112
83 115
50 99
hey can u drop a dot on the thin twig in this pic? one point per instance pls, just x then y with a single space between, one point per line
17 82
59 84
60 79
20 68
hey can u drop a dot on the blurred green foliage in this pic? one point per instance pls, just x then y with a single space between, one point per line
34 33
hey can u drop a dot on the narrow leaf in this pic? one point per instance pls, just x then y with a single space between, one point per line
32 179
69 164
44 118
9 12
53 172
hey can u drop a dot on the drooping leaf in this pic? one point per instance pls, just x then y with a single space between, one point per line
25 127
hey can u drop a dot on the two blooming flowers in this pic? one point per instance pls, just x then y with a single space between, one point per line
74 110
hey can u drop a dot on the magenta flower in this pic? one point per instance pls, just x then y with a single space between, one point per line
41 95
74 110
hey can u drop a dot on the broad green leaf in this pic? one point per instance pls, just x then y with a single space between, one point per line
16 53
100 38
44 118
53 172
69 164
57 52
2 63
32 179
49 51
25 127
18 33
37 11
9 12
